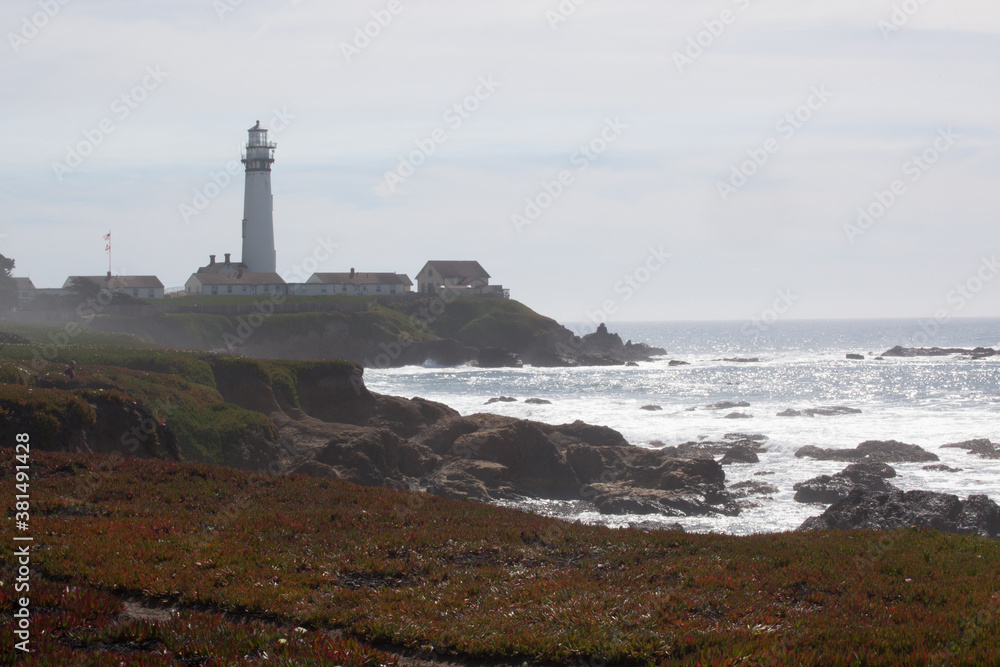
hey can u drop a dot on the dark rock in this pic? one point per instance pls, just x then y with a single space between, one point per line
981 447
675 363
590 434
727 405
605 347
501 399
738 415
739 455
366 456
467 479
440 437
617 499
753 437
417 460
651 408
741 360
713 448
856 357
763 473
940 467
869 467
495 357
831 411
548 359
631 364
977 353
536 466
538 401
867 510
827 489
889 451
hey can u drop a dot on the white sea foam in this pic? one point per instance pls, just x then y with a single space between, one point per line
923 401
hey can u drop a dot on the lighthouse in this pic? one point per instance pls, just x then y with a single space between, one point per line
258 204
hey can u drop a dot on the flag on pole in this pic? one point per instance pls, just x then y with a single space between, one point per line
107 237
107 249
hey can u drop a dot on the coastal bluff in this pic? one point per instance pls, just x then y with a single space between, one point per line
489 332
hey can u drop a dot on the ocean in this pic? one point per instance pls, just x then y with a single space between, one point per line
927 401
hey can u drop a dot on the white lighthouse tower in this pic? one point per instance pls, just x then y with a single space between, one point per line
258 204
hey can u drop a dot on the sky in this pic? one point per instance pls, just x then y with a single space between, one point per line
634 160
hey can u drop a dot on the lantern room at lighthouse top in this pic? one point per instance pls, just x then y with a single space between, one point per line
259 153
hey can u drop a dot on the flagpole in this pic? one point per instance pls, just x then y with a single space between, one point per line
108 239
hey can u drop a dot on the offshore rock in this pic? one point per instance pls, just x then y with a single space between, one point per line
831 411
981 447
889 451
495 357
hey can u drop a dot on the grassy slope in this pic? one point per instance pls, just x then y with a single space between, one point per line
475 321
477 581
178 386
492 323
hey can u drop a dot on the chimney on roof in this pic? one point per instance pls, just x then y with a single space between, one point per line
211 260
227 257
352 272
109 275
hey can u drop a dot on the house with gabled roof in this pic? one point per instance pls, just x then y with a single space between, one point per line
457 278
356 283
241 283
140 287
25 289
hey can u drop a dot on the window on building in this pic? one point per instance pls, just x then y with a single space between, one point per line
344 289
378 289
229 289
149 295
323 289
135 291
267 288
392 289
430 273
215 289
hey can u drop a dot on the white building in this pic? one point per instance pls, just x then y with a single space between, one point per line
241 284
356 284
462 278
140 287
258 204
